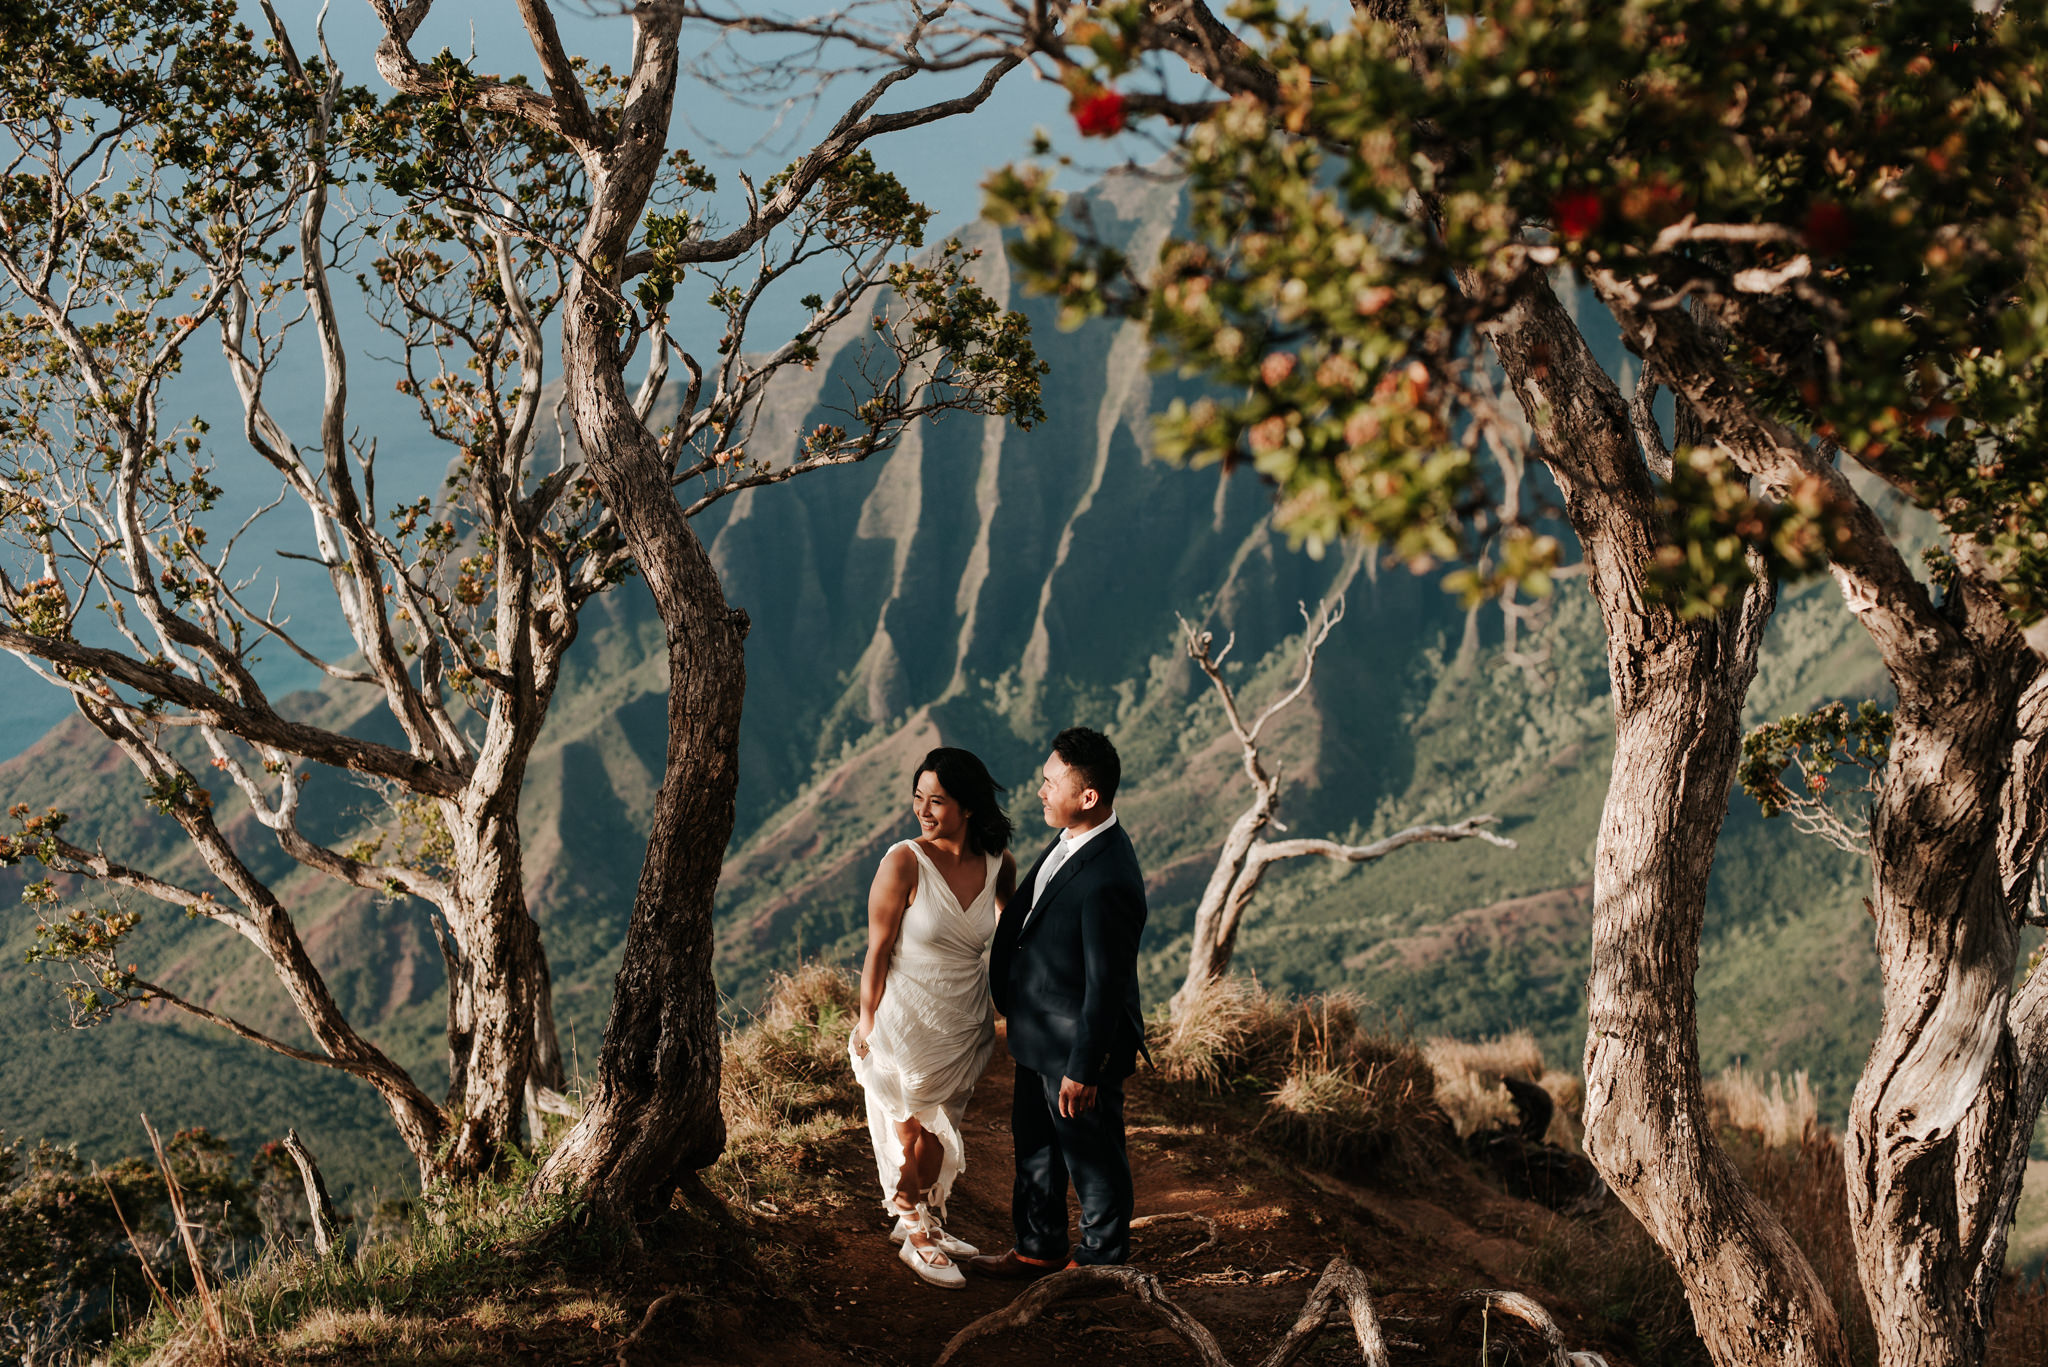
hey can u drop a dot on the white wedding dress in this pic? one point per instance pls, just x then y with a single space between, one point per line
936 1026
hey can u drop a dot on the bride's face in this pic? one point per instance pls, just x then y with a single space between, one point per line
939 817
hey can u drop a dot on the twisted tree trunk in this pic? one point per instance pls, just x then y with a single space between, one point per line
653 1118
1941 1118
1678 692
1938 1125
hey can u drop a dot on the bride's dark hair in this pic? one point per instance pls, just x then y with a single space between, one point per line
966 780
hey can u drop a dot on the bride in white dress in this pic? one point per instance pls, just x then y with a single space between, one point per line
927 1024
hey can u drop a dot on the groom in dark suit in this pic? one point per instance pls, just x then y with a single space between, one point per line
1064 970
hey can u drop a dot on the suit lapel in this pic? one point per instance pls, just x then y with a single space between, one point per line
1021 900
1063 877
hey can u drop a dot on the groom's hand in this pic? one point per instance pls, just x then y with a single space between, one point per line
1075 1097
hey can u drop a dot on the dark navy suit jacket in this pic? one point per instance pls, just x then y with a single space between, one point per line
1066 972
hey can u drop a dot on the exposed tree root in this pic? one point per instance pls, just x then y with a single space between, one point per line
639 1336
1517 1306
1077 1281
1341 1288
1341 1291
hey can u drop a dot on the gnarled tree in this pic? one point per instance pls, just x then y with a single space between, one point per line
1818 225
243 176
652 1119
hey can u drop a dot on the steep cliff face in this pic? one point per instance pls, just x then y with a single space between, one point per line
985 587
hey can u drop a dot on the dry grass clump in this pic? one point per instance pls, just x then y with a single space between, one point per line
1780 1116
1609 1266
1224 1031
789 1064
1336 1092
787 1083
1468 1084
371 1329
1349 1095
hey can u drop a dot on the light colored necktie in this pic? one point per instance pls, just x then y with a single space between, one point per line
1053 863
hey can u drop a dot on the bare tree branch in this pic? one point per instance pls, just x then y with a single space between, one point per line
258 724
1242 862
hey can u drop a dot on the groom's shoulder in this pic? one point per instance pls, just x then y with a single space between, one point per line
1126 853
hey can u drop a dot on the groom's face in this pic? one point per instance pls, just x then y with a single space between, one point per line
1067 798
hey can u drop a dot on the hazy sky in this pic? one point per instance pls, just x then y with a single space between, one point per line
942 165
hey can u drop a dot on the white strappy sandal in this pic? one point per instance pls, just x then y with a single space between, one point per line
952 1247
930 1263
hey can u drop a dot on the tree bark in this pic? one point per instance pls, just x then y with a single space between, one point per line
493 1002
1678 693
653 1115
1939 1125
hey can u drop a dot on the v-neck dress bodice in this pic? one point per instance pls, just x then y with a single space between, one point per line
936 1026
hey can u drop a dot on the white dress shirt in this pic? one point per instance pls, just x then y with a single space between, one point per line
1069 845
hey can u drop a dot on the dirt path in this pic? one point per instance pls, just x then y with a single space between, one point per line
1421 1242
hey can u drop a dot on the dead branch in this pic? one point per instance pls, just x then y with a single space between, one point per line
1242 862
1517 1306
209 1306
326 1229
1471 828
1342 1289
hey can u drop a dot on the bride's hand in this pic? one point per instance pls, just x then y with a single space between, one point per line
864 1027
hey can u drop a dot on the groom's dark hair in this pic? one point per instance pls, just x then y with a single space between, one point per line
966 780
1093 756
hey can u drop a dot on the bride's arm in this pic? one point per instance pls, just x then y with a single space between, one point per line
895 884
1006 881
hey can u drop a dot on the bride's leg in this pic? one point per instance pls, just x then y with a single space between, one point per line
931 1156
911 1182
922 1155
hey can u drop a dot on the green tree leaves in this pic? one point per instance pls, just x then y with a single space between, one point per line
1847 195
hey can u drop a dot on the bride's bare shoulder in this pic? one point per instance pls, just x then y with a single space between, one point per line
896 877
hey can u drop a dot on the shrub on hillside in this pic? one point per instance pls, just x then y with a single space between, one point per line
79 1241
1470 1091
1336 1092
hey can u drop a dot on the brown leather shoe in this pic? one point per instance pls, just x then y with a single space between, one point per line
1011 1264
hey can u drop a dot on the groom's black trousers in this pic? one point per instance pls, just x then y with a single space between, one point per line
1086 1149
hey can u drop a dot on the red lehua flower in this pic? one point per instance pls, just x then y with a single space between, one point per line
1100 115
1828 228
1578 212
